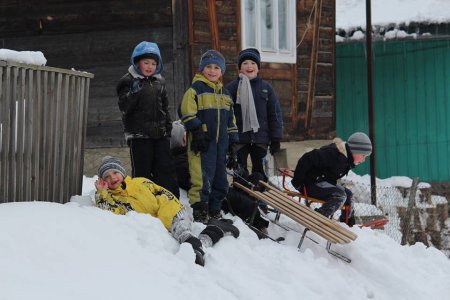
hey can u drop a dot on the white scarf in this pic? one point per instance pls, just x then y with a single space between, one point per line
245 99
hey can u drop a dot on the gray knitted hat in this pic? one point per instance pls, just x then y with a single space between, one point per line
110 163
360 143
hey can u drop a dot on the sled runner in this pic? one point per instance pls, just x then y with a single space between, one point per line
326 228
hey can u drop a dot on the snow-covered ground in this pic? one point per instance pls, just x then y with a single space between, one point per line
77 251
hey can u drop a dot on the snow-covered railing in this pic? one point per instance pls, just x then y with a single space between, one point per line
43 114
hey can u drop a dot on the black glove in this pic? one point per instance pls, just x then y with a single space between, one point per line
200 141
301 188
232 159
274 147
135 86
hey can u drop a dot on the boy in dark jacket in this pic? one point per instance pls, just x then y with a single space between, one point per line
257 110
243 205
146 119
317 173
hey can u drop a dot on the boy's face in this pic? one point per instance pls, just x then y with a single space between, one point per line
114 179
358 158
249 68
147 66
212 72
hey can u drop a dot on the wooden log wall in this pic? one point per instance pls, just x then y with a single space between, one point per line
322 107
216 25
98 36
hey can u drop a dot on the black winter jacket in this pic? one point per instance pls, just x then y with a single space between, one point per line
267 109
146 113
329 163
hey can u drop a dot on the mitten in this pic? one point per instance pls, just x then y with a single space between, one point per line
200 141
135 86
232 160
301 188
274 147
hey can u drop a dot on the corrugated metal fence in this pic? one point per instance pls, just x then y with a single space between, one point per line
412 105
43 113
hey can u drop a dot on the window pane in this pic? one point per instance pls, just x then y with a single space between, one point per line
267 26
282 23
250 23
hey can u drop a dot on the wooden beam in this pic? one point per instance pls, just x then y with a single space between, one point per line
294 101
313 64
191 35
238 26
215 41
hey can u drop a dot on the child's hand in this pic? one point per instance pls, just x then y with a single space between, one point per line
100 184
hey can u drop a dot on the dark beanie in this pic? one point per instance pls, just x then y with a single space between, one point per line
251 54
360 143
212 57
146 55
110 163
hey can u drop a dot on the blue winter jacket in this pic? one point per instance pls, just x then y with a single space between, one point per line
267 109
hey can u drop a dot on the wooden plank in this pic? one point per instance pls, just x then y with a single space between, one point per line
29 145
289 210
213 26
319 219
181 62
37 137
312 67
4 116
20 132
310 212
12 151
317 223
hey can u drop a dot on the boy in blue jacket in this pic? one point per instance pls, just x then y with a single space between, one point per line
258 113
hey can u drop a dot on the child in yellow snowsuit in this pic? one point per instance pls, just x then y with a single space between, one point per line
120 194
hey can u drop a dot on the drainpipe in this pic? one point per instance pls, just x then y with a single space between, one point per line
373 187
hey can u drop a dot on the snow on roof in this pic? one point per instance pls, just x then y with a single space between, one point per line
352 13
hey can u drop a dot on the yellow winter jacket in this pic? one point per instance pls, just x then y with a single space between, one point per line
141 195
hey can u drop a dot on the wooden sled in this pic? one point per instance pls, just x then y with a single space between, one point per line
376 224
326 228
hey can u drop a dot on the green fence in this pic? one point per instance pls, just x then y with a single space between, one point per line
412 105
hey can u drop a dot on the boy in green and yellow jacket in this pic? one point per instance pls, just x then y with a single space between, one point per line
207 113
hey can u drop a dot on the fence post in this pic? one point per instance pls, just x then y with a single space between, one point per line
407 219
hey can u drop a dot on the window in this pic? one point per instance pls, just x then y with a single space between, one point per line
269 26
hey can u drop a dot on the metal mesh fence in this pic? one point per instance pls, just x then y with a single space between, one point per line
424 220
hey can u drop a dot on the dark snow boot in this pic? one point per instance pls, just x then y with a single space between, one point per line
227 226
200 212
198 250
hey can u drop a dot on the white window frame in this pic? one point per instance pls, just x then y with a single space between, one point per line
270 55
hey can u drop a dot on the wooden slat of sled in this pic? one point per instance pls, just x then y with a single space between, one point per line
301 207
322 226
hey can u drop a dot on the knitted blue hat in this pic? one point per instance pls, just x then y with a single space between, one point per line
212 57
251 54
110 163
